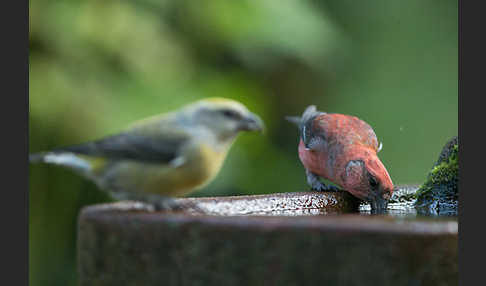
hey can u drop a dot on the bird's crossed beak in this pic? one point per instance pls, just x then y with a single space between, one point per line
251 123
378 203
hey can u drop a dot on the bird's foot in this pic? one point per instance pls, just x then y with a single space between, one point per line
173 205
324 188
331 188
166 205
156 202
317 185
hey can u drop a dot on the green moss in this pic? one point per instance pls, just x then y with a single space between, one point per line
445 171
440 191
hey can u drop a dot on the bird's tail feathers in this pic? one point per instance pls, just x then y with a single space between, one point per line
67 159
309 113
294 119
37 157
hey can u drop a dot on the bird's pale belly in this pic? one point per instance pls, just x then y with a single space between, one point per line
198 170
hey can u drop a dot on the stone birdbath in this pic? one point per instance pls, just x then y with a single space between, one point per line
300 238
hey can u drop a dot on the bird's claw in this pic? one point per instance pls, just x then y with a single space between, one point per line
331 188
167 205
157 202
317 185
323 188
171 205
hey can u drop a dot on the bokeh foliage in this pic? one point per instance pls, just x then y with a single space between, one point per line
96 66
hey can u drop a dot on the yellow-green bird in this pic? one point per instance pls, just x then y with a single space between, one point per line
163 156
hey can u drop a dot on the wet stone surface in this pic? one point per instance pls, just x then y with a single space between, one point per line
297 203
401 204
280 239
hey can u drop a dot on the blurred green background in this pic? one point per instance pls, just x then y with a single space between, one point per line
96 66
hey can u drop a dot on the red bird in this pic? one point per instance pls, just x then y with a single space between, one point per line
343 149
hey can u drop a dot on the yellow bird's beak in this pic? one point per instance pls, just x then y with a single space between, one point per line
251 123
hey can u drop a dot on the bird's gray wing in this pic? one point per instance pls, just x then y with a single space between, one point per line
133 146
306 126
312 136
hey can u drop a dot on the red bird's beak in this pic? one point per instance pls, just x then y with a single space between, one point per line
379 198
378 205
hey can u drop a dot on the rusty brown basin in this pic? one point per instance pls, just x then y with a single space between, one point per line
279 239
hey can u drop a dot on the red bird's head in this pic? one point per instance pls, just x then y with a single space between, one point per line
367 178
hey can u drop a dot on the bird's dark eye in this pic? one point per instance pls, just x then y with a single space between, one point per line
373 182
230 113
